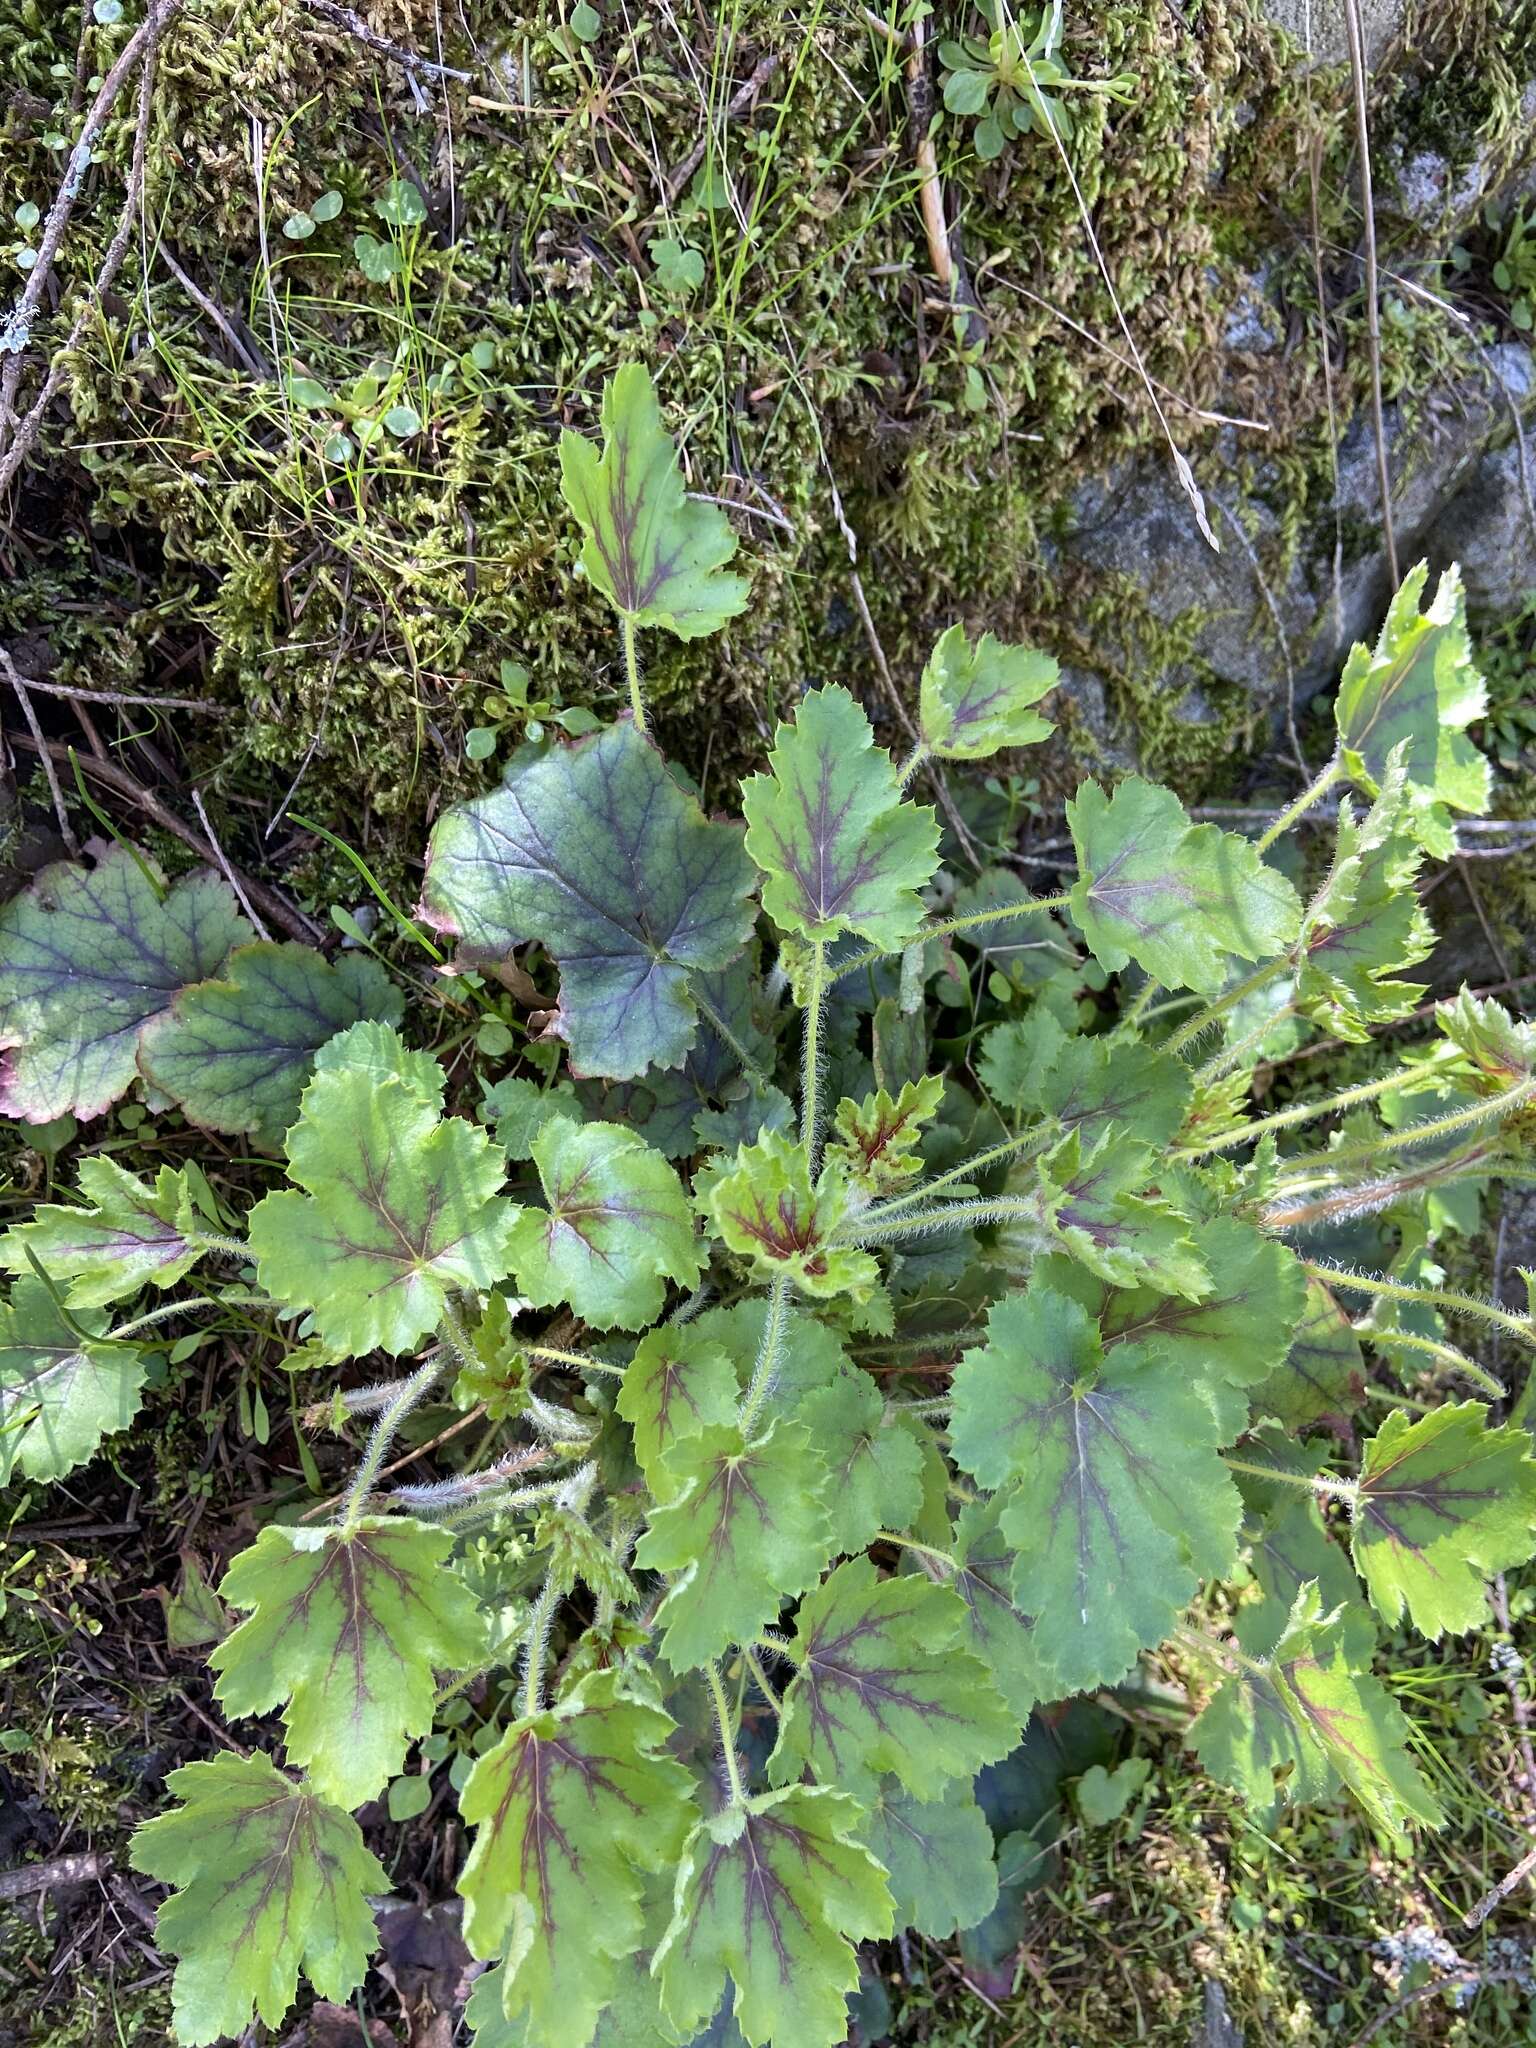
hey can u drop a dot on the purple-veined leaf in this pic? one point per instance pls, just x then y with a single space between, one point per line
598 853
771 1896
235 1053
617 1228
125 1234
763 1206
271 1882
1115 1497
877 1139
656 554
1307 1721
840 848
679 1382
975 699
937 1854
571 1807
1442 1502
748 1531
87 958
346 1630
883 1685
876 1465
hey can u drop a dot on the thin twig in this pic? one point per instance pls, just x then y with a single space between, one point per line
17 330
230 874
1372 283
61 1870
66 830
252 361
293 920
1501 1890
76 694
354 25
739 103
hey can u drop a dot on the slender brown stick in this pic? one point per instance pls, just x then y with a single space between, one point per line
17 330
66 831
62 1870
75 694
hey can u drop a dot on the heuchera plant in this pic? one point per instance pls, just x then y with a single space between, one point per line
826 1428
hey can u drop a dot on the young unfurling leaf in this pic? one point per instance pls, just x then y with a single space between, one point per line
1500 1050
938 1856
974 699
656 554
347 1629
87 958
402 1206
877 1139
64 1384
125 1234
271 1881
1443 1502
597 852
1418 689
1365 924
763 1206
882 1685
1115 1498
840 848
774 1893
570 1808
618 1227
1305 1722
1181 900
235 1053
749 1531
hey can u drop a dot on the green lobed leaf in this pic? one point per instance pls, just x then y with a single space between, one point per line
1115 1499
679 1382
62 1389
346 1630
1418 690
235 1053
937 1855
1181 900
271 1882
618 1227
840 848
1289 1547
1096 1202
974 699
594 850
125 1235
1305 1721
882 1685
876 1466
994 1628
655 554
749 1531
520 1110
1235 1336
401 1208
1442 1502
771 1897
809 1357
877 1140
762 1205
570 1808
1090 1083
87 959
1365 924
1323 1371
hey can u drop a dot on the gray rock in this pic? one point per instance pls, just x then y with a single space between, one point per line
1319 25
1433 192
1258 622
1490 528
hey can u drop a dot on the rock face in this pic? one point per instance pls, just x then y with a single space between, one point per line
1320 25
1251 618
